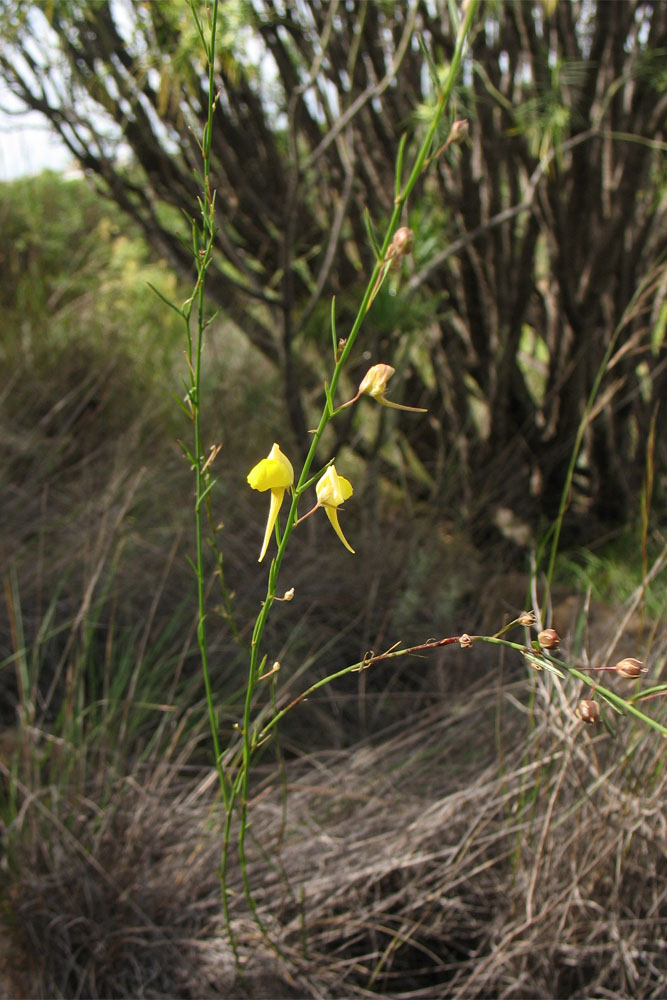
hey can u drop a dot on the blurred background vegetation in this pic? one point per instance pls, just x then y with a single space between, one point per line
537 240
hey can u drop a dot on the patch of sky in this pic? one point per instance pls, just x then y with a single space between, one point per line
467 69
538 20
27 144
491 30
584 27
643 16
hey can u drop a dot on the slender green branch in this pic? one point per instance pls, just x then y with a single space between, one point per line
341 357
623 704
370 660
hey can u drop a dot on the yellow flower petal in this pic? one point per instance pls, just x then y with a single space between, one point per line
400 406
332 490
276 503
332 514
273 472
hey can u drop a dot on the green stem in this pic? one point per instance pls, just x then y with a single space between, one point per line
202 247
621 703
615 699
250 742
202 244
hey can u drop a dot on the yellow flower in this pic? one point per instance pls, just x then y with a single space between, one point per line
273 473
374 384
332 490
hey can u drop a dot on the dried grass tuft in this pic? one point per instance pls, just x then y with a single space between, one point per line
438 860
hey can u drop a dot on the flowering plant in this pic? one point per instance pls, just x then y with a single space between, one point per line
276 475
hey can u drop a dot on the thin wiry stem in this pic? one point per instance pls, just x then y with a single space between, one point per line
203 238
234 779
249 736
586 417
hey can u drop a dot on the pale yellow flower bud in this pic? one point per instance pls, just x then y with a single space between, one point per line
375 380
374 384
402 243
459 130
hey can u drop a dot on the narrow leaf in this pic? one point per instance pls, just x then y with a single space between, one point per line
205 493
327 393
371 235
542 663
600 692
649 692
608 726
433 73
188 454
214 316
182 405
333 326
167 302
399 165
453 15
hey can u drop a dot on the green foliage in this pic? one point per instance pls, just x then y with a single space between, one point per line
533 361
614 572
545 119
73 269
47 228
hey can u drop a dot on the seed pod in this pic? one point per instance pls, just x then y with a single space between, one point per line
588 711
629 667
465 642
527 618
548 638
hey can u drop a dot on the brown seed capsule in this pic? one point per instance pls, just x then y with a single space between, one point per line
588 711
527 618
548 638
629 667
465 642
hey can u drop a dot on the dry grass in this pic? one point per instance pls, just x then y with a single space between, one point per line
460 855
488 845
